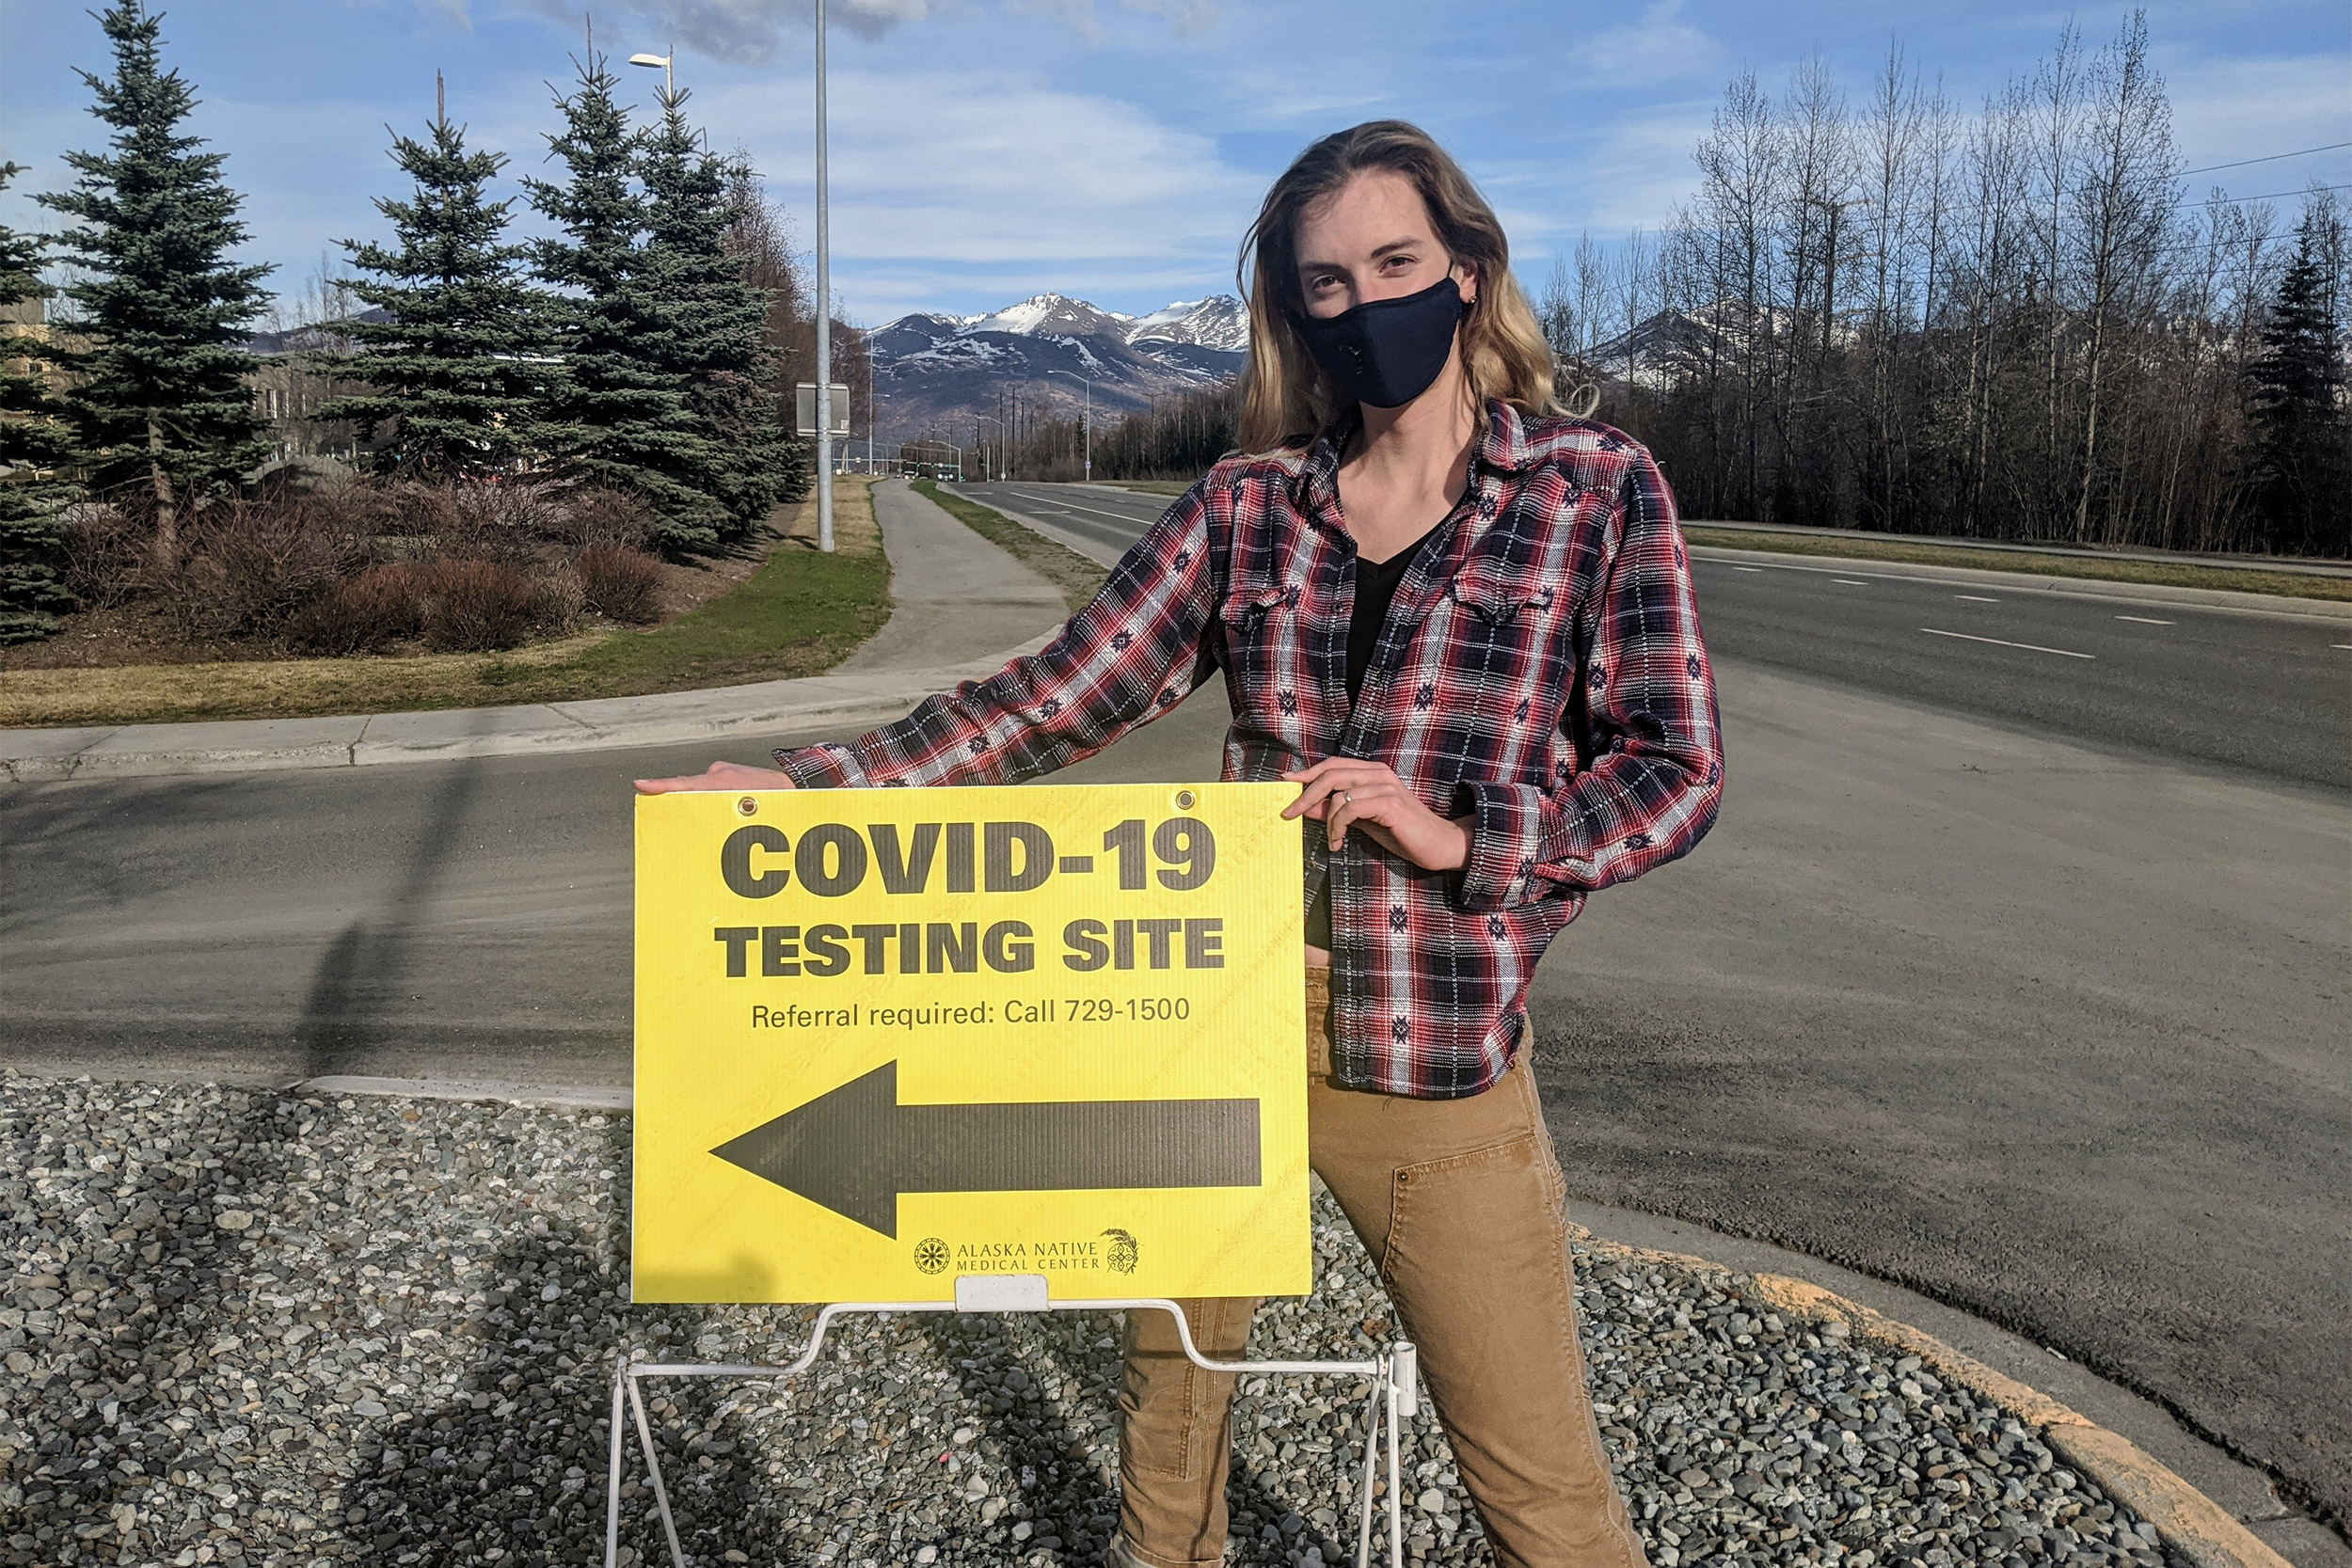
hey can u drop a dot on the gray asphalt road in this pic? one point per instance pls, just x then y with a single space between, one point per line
2273 695
2051 1029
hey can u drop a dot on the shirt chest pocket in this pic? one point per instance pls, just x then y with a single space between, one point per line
1502 632
1260 626
1245 609
1488 603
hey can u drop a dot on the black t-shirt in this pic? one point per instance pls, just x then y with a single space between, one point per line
1376 590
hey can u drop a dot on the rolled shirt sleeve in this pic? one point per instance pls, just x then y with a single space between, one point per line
1648 743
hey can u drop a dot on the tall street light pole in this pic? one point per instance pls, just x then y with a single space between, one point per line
991 457
824 315
1089 386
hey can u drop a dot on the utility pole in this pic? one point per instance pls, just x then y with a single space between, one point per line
992 457
824 316
1089 387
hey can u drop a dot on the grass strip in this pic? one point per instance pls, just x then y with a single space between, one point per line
800 614
1076 577
2161 573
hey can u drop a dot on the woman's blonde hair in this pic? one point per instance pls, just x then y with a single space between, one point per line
1285 396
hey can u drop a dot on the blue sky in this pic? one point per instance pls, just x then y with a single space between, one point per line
987 149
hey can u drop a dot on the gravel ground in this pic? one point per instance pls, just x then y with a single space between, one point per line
249 1328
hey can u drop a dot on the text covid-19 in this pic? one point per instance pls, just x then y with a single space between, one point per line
833 860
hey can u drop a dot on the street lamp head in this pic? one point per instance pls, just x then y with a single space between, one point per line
661 64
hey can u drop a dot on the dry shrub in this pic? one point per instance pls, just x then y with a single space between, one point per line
106 547
594 514
620 583
359 567
474 604
558 599
507 523
248 566
363 614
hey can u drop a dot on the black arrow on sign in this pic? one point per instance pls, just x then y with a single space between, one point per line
855 1149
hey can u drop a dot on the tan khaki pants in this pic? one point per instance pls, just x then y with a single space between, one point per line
1460 1202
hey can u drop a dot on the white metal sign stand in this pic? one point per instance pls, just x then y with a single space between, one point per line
1395 1393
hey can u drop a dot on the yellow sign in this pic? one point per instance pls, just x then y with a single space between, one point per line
887 1038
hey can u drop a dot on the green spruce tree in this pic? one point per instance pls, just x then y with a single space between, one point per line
159 399
453 379
712 332
617 416
35 447
2302 468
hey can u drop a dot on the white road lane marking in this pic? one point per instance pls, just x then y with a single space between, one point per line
2029 647
1127 517
2339 644
1747 568
1976 598
2057 588
1851 583
2144 620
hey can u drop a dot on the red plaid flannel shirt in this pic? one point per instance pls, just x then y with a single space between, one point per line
1541 669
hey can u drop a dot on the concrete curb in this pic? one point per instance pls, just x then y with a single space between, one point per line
2031 582
360 740
2192 1525
555 1096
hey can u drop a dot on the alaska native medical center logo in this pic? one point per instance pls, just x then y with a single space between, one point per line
1116 1250
1121 1256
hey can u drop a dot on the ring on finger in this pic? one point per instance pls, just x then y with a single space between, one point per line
1347 797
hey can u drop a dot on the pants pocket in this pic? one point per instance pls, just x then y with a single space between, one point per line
1461 1196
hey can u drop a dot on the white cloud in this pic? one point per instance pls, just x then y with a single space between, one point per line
1629 170
1659 47
1185 17
753 32
950 176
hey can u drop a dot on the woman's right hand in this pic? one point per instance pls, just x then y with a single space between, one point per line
719 775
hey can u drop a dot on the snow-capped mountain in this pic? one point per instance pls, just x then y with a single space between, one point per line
1051 316
938 373
1219 321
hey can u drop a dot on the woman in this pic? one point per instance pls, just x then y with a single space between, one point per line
1462 623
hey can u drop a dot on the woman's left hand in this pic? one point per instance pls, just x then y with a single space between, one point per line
1347 792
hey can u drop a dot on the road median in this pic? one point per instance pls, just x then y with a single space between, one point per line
354 1326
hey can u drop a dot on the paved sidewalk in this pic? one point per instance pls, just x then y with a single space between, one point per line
962 607
958 596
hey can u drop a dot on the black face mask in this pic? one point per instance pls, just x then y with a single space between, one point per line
1386 352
